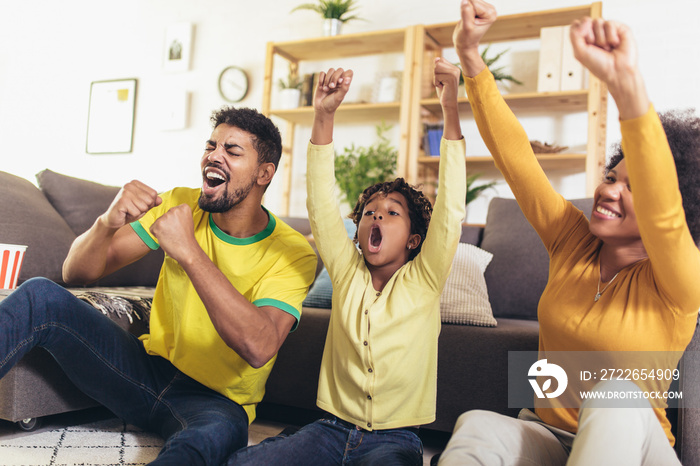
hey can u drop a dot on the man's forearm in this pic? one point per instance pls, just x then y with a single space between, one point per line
247 329
87 257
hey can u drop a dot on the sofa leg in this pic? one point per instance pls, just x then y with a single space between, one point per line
30 424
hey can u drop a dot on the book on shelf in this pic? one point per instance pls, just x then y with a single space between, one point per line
558 68
307 89
432 135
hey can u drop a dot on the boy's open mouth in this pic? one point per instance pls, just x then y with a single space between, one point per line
375 238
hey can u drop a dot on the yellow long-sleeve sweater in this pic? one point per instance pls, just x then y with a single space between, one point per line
653 304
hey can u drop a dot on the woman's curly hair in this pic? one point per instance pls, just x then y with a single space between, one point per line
682 128
419 207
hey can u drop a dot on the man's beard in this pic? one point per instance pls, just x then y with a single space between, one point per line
226 201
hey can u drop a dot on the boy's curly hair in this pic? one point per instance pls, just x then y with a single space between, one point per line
419 207
682 128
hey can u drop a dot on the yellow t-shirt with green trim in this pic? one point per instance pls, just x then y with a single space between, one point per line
272 268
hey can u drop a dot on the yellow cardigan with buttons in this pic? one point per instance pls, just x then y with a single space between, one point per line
379 367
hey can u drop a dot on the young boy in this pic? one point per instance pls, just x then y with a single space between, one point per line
379 369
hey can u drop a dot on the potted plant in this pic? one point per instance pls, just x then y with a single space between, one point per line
357 168
475 191
290 91
497 72
334 13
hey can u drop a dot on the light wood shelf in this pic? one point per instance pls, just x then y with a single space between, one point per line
433 39
485 162
338 47
514 27
418 44
564 101
342 46
346 113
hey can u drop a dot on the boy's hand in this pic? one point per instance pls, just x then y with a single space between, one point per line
446 81
477 16
607 49
331 90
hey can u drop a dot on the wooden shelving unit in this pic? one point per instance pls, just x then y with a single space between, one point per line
432 40
343 46
419 44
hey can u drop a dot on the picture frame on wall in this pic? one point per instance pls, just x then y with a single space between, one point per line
177 48
111 116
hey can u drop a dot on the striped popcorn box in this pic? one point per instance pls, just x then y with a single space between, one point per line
11 257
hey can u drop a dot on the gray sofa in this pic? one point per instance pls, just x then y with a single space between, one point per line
47 220
472 369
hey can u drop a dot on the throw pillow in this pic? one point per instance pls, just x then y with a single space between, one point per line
518 273
80 202
465 298
321 292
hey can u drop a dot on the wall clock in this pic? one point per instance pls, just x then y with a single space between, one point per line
233 84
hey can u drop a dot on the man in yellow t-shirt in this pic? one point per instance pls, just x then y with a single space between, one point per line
229 292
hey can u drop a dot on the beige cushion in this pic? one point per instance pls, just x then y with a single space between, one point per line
465 299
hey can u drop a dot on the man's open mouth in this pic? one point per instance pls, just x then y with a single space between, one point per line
375 238
213 177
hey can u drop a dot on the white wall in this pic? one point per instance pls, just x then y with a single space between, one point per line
51 51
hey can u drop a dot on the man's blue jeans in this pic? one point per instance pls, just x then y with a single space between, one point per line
109 364
333 441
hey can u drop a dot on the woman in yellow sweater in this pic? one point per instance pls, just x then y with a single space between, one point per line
625 281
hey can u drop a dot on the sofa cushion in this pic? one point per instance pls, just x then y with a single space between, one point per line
29 219
80 202
518 272
321 293
465 299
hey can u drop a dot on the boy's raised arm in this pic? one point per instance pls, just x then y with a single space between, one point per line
332 88
446 81
323 209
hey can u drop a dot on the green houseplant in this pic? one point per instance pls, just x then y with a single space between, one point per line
475 191
290 91
357 168
290 82
497 72
334 13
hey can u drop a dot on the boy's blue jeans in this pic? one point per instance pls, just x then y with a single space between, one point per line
332 441
109 364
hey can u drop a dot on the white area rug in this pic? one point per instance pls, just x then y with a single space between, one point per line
106 442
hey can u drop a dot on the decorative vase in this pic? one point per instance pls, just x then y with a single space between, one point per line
331 26
289 98
462 91
388 89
